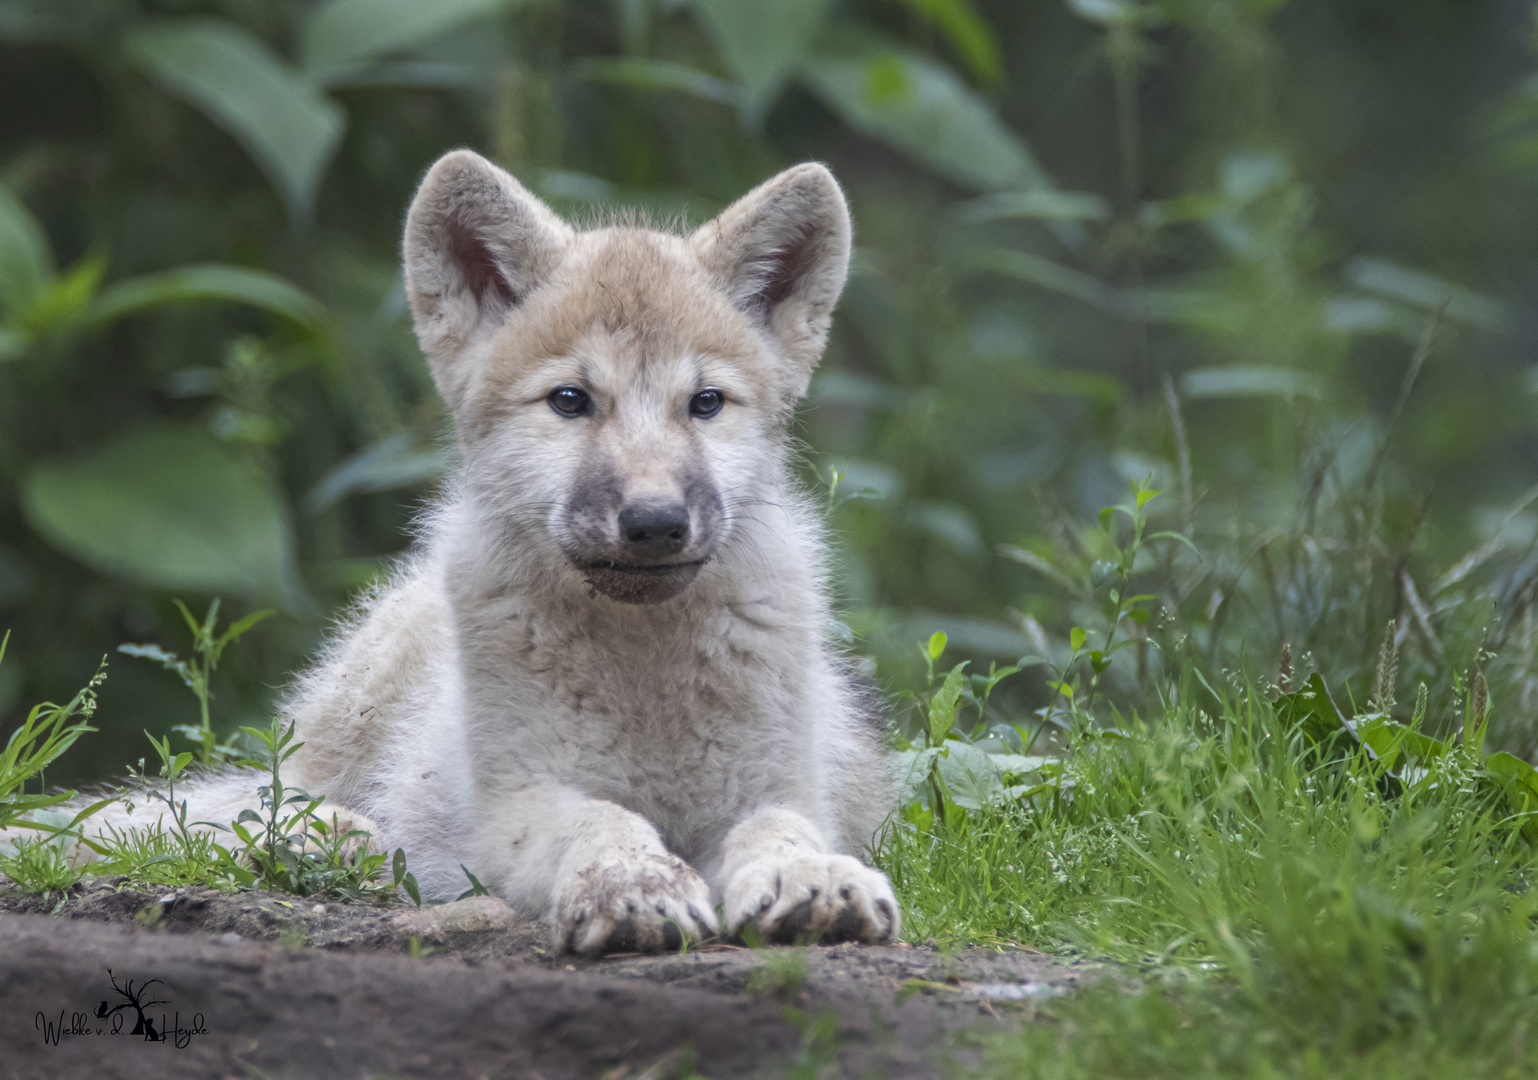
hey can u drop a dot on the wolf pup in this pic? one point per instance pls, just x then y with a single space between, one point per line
604 680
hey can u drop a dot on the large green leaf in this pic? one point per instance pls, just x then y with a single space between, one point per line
1519 780
209 281
762 44
1520 774
167 507
970 776
1313 711
1390 739
922 108
343 36
913 767
26 263
942 707
286 124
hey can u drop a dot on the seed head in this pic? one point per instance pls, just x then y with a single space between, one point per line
1382 699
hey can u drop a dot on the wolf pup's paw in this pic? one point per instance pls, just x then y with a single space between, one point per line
633 902
812 898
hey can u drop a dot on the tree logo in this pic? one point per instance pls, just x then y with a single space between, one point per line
130 1000
135 1000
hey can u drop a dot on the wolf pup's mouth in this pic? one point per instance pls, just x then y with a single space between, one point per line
633 583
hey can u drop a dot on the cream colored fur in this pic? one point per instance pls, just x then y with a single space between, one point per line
618 768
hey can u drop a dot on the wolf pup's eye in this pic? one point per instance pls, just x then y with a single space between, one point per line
706 403
569 400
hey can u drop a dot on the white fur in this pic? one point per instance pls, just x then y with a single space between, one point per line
616 768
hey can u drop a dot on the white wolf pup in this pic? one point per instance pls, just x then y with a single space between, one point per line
604 681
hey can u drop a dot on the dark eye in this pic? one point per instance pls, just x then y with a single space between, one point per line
706 403
569 400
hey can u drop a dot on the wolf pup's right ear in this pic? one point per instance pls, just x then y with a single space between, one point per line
477 242
781 252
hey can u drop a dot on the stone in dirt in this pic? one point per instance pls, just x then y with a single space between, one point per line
472 914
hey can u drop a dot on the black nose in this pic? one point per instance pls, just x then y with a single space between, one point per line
651 532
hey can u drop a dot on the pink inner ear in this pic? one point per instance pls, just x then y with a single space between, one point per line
473 257
776 272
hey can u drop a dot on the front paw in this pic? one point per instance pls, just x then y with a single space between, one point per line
633 902
818 897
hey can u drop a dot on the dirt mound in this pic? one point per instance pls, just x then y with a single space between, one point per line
283 987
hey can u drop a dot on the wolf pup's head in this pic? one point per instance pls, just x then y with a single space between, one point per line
618 392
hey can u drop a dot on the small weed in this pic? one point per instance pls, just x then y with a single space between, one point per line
188 844
288 847
44 735
208 646
154 857
285 845
40 864
475 889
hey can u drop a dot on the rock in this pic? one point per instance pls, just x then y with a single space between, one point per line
474 913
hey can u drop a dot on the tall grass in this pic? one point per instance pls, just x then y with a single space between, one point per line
1285 908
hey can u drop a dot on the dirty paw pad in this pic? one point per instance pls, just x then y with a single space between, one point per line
812 898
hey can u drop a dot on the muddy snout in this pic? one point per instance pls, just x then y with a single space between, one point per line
647 549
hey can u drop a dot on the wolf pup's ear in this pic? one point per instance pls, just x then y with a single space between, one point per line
781 252
477 242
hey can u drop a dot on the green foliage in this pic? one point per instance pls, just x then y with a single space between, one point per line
155 857
158 855
1302 888
475 889
1335 896
1070 275
209 647
285 846
344 37
40 864
42 737
288 847
292 848
1301 902
280 117
166 506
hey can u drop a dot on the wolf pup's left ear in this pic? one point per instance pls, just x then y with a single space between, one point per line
781 252
477 242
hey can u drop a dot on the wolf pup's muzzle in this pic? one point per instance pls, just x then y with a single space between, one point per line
654 551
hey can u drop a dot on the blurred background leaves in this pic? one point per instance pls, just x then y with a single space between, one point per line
1276 256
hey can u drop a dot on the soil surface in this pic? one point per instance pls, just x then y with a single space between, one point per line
255 985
